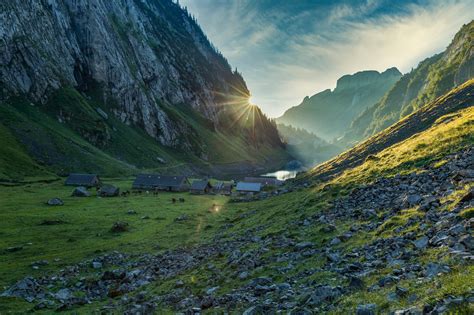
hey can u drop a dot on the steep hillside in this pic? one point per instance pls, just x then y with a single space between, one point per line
329 113
420 120
392 234
432 78
120 74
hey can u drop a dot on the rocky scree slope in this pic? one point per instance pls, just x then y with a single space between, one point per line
141 63
382 237
432 78
328 113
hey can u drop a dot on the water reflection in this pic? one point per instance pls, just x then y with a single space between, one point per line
282 175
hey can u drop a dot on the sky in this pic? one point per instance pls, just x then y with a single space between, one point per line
288 49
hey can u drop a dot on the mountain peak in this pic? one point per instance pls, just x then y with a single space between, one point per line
365 77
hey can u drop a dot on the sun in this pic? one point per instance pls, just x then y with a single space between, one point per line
250 100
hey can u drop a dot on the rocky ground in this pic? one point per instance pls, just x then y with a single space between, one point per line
408 217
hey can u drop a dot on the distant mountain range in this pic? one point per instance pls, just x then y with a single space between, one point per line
367 102
432 78
329 113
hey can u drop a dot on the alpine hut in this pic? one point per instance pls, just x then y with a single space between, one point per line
85 180
200 187
245 187
161 182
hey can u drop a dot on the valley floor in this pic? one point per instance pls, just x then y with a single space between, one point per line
392 234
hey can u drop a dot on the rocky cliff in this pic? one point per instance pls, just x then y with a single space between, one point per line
143 64
140 52
329 113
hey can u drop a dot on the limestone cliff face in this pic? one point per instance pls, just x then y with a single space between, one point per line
142 53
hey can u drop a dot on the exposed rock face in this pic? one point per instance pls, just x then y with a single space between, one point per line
142 53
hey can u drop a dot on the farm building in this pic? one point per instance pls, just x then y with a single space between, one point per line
200 187
265 181
244 187
226 189
217 187
86 180
161 182
222 188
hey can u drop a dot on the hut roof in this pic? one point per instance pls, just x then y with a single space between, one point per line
200 185
82 180
156 180
250 187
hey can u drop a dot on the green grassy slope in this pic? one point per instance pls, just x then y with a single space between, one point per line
15 161
264 224
68 135
458 98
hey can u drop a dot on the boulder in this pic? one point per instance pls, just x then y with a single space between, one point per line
55 202
80 192
119 227
421 243
303 245
366 309
412 199
109 191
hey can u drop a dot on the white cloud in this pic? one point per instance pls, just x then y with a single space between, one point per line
281 67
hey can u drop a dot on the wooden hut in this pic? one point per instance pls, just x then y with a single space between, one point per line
161 182
85 180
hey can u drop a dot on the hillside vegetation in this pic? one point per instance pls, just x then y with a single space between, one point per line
391 232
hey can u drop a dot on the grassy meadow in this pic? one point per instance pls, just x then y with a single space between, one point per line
80 228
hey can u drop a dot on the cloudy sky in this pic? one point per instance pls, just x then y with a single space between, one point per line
287 49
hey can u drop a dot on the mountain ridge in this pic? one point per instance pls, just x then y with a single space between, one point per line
433 77
328 113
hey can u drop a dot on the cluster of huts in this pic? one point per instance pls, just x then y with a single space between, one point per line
171 183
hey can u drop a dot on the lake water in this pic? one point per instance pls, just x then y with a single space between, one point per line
282 175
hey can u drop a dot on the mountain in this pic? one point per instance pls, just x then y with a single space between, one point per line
111 86
329 113
305 146
422 119
432 78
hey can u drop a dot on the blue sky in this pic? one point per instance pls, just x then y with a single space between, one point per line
293 48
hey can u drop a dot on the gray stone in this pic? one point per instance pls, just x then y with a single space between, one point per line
80 192
433 269
366 309
421 243
55 202
63 294
392 297
303 245
456 230
96 264
253 310
335 241
412 199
